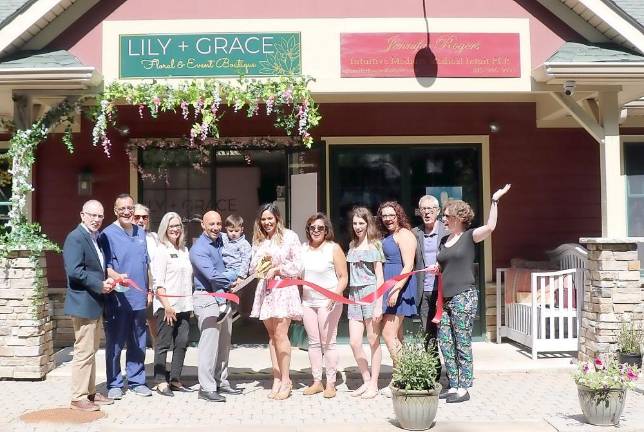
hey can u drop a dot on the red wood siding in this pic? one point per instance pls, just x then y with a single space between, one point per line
57 204
555 196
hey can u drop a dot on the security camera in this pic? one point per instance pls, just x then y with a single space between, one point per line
569 88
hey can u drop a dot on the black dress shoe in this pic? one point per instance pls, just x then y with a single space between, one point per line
212 396
230 390
165 391
455 398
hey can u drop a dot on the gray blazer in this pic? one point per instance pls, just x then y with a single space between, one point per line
419 261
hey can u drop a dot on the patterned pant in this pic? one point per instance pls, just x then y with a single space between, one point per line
455 337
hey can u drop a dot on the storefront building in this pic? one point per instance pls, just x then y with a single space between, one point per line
449 98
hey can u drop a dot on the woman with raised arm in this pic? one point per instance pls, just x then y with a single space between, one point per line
365 259
281 247
455 259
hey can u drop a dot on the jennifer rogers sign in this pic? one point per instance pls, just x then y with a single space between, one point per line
209 54
453 55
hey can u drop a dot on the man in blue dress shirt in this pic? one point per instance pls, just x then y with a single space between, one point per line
126 257
210 276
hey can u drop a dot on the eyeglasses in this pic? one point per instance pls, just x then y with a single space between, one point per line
388 216
429 209
93 215
317 228
176 226
144 217
123 209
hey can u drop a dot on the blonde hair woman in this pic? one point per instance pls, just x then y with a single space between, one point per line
172 276
276 308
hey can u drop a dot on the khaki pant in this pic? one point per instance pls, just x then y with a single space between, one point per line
87 339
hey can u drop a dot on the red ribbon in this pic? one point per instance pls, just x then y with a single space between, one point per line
369 298
131 284
127 283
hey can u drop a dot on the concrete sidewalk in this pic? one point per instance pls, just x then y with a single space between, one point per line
252 361
510 393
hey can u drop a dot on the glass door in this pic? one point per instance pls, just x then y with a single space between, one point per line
367 175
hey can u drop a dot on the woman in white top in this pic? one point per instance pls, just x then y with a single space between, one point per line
324 265
172 276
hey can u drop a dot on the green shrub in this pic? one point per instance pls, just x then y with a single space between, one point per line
415 367
630 338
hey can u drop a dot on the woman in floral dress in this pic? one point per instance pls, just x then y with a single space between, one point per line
281 247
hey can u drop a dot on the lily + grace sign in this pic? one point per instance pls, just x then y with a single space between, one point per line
209 54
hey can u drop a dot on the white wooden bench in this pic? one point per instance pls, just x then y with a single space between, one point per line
541 309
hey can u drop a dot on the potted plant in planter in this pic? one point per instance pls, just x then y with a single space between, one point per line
414 385
629 344
602 387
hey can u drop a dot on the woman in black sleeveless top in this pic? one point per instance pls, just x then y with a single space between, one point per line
455 258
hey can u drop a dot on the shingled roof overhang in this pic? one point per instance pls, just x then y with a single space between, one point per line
47 69
591 63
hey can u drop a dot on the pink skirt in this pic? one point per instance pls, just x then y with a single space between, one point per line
277 303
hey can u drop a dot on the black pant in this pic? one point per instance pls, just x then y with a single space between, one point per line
167 336
427 312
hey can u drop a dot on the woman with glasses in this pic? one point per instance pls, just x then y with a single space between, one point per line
172 285
326 266
365 259
281 248
399 247
455 259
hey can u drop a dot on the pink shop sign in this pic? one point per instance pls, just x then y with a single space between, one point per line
445 55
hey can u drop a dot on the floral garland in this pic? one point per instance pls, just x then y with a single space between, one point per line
19 233
287 98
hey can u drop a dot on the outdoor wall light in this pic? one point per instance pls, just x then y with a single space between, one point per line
123 130
494 127
85 180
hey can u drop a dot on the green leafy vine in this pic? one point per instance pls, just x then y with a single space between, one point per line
288 99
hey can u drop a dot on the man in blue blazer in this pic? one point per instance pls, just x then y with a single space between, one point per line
86 286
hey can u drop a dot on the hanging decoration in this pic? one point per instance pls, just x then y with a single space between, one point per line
287 99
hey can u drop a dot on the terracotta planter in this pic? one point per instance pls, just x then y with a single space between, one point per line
415 409
602 407
631 359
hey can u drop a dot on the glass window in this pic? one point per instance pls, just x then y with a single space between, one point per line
369 175
182 189
634 167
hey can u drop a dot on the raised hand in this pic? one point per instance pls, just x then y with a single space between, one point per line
498 194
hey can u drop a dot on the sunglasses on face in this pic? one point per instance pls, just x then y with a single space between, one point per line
144 217
317 228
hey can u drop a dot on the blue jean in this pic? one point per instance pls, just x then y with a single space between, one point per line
125 328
